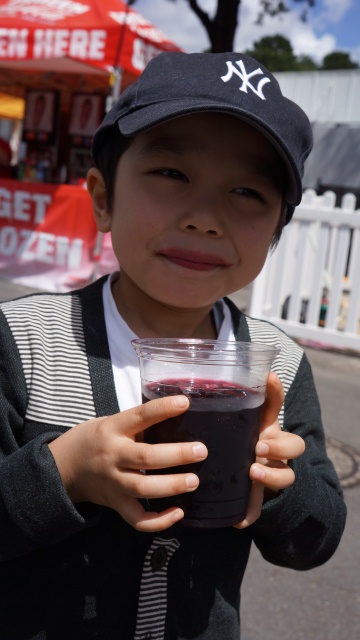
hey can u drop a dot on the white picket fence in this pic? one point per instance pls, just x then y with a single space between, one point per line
310 284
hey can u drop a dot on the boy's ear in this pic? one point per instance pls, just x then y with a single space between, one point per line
97 191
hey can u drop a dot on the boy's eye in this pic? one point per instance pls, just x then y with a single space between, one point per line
249 193
171 173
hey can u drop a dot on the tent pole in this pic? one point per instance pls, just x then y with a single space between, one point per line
117 82
115 90
117 74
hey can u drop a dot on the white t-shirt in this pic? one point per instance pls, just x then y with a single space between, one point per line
125 363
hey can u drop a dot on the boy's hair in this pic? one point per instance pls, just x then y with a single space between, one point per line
175 84
112 145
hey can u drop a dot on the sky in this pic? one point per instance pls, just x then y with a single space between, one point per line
331 25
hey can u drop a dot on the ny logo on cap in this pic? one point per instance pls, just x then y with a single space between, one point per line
245 77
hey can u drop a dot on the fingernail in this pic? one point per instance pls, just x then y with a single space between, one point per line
261 449
200 451
192 481
180 401
257 472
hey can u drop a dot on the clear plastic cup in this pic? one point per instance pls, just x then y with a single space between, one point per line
226 384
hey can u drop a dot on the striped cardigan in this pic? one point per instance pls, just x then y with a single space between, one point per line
71 573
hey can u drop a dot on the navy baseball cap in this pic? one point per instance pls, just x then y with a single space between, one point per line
175 84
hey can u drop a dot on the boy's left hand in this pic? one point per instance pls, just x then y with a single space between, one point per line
271 472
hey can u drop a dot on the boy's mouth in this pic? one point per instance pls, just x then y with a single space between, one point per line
195 260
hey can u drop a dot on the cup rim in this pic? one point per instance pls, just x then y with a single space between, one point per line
189 348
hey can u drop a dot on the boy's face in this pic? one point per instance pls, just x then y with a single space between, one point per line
196 203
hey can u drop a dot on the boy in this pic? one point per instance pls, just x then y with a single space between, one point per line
197 169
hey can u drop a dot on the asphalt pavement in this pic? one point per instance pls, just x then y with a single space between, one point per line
324 603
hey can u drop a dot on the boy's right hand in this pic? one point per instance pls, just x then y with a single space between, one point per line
100 461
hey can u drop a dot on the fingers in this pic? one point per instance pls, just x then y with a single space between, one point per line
275 447
140 485
145 415
263 477
276 477
273 401
140 455
271 468
281 446
271 472
135 515
254 506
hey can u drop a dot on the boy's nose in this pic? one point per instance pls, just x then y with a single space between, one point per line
204 217
203 229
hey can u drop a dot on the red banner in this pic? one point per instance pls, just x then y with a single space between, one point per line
48 237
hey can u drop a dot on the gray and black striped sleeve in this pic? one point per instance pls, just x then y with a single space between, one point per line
302 527
34 410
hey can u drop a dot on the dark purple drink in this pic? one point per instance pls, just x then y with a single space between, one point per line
226 418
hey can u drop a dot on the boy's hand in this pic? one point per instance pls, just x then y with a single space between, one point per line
275 447
100 460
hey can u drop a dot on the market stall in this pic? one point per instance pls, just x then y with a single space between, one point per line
67 60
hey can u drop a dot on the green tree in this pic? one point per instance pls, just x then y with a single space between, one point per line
275 7
275 52
338 60
221 28
305 63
